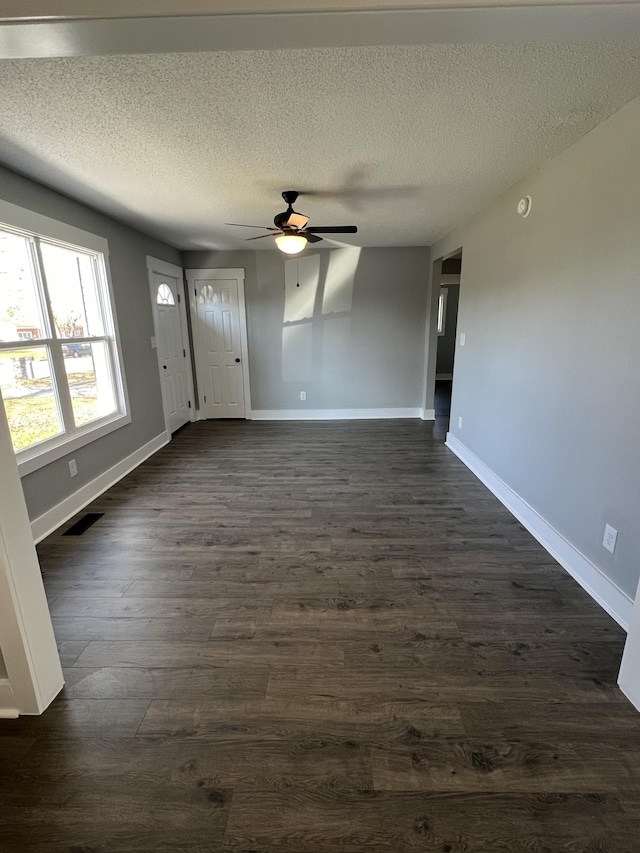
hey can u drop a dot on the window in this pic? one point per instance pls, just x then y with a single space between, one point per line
165 296
60 369
442 311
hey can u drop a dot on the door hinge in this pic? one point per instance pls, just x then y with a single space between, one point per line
184 353
178 297
189 401
205 399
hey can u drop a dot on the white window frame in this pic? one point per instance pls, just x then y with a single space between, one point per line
32 458
442 311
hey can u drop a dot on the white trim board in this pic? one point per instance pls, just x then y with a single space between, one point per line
284 26
337 414
629 677
631 693
159 267
237 273
8 710
610 597
31 660
49 521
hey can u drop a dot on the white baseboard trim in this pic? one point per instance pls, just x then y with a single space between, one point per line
428 414
49 521
8 710
333 414
632 695
603 590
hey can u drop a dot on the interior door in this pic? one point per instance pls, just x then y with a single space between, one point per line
172 351
218 346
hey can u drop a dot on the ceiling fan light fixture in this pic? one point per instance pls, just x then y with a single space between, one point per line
291 244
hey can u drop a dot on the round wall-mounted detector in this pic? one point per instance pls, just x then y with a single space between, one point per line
524 206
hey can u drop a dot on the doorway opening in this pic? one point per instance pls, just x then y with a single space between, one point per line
446 326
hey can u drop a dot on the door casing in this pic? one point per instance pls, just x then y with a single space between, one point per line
155 265
238 275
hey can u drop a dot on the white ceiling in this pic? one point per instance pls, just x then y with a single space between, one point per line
178 144
77 9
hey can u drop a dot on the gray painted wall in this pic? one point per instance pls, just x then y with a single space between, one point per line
352 336
548 383
48 486
3 668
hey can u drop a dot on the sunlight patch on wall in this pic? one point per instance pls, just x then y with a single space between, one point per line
338 289
301 278
297 343
336 340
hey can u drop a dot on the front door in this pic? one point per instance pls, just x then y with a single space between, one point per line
218 344
172 352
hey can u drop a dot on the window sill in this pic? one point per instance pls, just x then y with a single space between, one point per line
62 446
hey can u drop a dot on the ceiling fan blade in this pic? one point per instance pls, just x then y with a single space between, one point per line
260 236
241 225
311 238
333 229
297 220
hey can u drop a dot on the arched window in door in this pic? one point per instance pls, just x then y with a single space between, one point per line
207 294
164 295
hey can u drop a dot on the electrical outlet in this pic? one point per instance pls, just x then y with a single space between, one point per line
460 422
303 395
610 536
154 343
463 339
73 468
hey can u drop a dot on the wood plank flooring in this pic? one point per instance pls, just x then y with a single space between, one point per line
319 637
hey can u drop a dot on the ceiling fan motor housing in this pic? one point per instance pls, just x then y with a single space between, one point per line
281 219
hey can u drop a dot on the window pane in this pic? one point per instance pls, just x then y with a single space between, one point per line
165 296
90 381
73 291
442 311
29 398
20 308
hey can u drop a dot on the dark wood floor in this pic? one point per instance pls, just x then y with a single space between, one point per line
442 403
320 637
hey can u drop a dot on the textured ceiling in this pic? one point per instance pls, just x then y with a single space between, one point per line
179 144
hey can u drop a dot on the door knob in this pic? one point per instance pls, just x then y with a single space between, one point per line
237 361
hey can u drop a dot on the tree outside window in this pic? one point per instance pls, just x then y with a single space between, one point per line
59 372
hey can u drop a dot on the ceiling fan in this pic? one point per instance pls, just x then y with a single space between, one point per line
292 234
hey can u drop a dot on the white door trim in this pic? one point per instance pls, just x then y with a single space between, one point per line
155 265
26 636
629 678
238 275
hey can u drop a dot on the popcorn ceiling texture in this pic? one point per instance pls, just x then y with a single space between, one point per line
179 144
